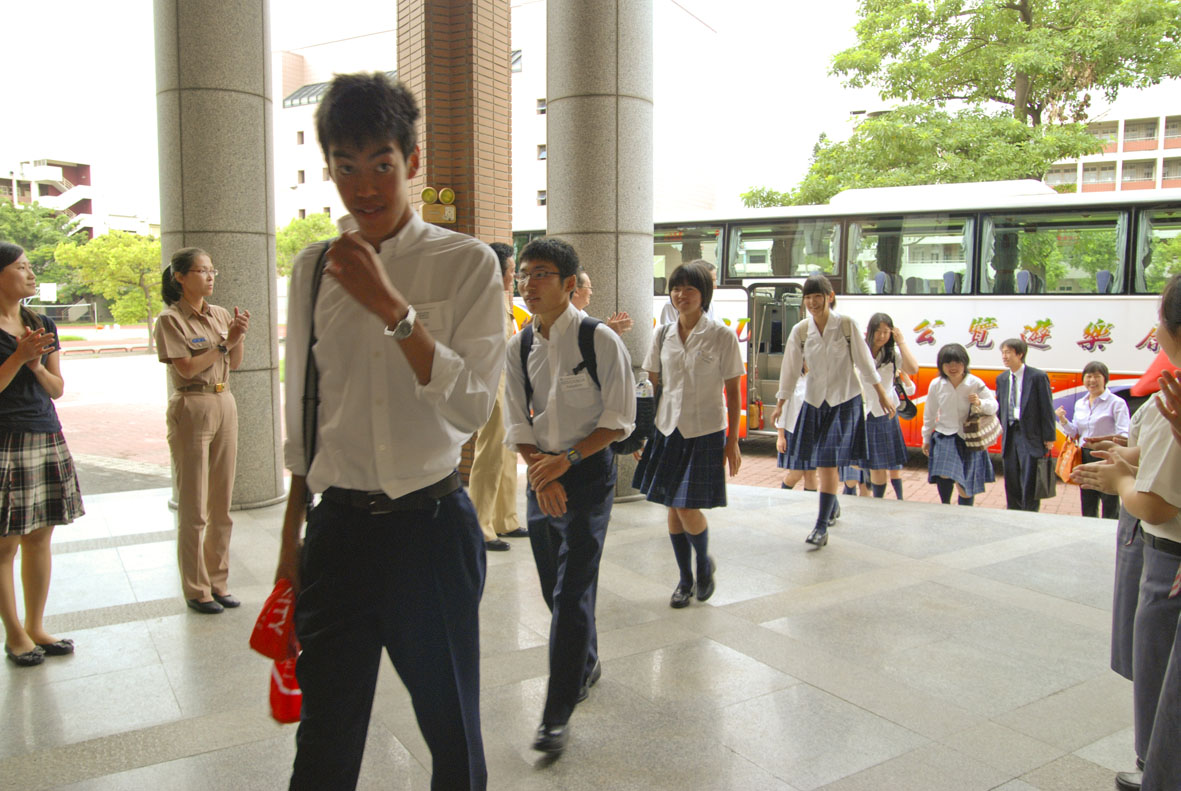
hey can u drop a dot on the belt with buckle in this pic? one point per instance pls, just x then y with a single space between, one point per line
220 387
377 503
1161 544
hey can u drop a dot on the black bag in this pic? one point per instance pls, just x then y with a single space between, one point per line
645 405
1047 480
906 407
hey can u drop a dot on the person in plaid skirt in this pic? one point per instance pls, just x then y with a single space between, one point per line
950 397
883 433
696 434
40 487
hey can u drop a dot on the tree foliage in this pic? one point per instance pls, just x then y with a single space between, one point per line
39 231
124 268
297 235
1164 263
1041 58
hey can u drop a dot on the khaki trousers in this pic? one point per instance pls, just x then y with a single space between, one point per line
493 481
203 439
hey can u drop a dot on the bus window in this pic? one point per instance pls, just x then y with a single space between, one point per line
673 246
784 249
1061 253
920 255
1158 250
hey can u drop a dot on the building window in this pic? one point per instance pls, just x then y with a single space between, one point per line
299 138
515 61
1099 173
1062 174
541 151
541 106
328 210
541 197
1140 171
325 178
303 214
1140 130
299 177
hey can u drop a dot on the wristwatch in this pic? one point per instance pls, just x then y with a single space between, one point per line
573 456
403 328
221 347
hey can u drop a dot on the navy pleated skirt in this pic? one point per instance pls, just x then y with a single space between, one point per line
951 458
683 473
883 440
829 436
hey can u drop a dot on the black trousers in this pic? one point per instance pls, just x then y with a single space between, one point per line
567 550
1020 474
1091 498
408 582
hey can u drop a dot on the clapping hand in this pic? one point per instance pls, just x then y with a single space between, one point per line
33 345
1168 401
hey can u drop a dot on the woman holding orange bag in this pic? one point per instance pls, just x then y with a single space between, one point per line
1099 413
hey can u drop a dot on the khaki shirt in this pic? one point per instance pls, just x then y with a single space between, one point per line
183 332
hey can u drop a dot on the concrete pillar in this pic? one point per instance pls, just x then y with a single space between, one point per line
599 156
213 103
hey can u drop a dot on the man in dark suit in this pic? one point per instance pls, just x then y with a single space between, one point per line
1027 419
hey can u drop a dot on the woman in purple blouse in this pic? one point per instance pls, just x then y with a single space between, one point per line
1099 413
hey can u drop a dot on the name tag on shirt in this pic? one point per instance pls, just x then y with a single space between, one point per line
435 316
705 356
572 383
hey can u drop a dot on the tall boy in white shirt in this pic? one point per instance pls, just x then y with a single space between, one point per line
562 422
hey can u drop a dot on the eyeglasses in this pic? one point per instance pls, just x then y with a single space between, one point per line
525 277
203 272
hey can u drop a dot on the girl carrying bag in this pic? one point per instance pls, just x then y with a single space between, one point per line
980 429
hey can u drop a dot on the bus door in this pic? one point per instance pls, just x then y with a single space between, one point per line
774 308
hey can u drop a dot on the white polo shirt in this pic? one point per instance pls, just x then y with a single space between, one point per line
693 376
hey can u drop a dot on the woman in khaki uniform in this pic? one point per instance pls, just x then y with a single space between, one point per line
201 343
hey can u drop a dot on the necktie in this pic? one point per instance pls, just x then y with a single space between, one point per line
1012 397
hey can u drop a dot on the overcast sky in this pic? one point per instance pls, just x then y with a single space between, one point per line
79 83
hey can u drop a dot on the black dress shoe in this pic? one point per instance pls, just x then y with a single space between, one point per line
706 589
27 659
205 607
520 532
1128 781
552 738
59 648
817 537
681 596
595 674
497 545
227 600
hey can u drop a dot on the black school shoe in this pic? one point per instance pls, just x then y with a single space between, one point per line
682 596
205 607
27 659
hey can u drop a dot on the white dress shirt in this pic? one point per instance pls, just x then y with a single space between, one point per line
947 407
378 428
1015 380
791 408
693 376
567 407
832 376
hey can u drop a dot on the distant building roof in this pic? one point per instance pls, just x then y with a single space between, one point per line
311 93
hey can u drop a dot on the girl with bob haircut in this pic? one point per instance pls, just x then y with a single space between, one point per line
201 343
830 431
883 433
949 400
696 436
1147 477
1099 413
37 477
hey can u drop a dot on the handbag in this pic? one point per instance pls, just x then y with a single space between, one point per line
906 407
980 429
1068 458
1046 483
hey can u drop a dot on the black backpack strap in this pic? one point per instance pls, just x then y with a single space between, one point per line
526 347
586 347
311 377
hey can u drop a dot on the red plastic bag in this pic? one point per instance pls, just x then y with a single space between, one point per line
286 696
273 634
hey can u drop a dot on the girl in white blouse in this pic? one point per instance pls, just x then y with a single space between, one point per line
885 446
696 435
949 399
830 432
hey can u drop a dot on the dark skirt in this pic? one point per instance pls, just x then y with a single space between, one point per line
684 473
1129 562
883 439
829 436
951 458
38 485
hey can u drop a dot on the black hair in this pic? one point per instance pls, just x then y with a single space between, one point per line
1096 367
557 252
886 353
504 252
361 109
952 353
182 261
1017 346
819 284
1170 306
9 254
695 274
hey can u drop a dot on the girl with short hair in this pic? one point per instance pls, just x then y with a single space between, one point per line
949 400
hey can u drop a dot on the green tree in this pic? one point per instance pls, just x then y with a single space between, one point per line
297 235
39 231
124 268
1165 262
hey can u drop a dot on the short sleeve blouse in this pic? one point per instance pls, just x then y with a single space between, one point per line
183 332
24 404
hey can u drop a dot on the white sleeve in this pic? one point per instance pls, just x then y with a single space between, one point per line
862 359
988 402
652 359
793 362
931 408
517 428
616 382
731 357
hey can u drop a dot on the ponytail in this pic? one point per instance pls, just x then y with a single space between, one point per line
182 261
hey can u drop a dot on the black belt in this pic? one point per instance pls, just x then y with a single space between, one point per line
377 503
1161 544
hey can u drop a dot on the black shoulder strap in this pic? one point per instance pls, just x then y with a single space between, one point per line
311 377
586 347
526 347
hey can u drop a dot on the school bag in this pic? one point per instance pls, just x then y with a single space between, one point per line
645 405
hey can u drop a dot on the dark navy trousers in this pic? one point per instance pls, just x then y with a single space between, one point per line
410 583
567 550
